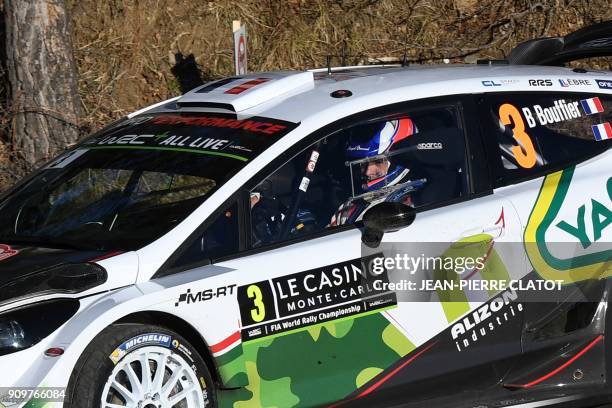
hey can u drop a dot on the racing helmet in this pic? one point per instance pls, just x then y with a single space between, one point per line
370 155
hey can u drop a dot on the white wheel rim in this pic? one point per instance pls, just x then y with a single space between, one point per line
171 382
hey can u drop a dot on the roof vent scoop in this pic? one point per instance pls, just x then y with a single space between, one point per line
244 92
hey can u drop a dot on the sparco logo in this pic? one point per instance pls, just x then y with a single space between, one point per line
429 146
540 82
486 319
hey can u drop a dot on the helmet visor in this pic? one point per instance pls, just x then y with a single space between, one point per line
375 172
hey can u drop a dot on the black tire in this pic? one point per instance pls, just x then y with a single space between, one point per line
95 365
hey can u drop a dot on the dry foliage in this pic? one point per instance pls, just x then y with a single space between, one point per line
125 49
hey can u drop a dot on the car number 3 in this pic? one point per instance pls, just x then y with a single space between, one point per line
524 153
259 312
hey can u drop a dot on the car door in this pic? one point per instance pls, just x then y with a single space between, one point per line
464 338
303 316
564 200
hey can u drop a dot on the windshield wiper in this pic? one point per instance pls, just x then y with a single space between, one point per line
52 242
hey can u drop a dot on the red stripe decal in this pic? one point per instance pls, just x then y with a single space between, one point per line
383 380
598 104
501 219
560 368
215 348
106 256
246 86
608 128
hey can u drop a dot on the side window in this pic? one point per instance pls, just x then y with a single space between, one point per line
417 158
538 131
218 240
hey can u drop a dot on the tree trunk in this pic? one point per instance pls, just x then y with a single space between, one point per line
42 77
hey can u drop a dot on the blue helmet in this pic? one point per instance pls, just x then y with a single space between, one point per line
377 146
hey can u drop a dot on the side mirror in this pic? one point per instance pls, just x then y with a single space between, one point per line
385 217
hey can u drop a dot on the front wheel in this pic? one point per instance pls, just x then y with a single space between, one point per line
140 366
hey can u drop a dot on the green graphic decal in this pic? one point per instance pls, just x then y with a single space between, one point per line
366 375
297 369
551 198
232 368
174 149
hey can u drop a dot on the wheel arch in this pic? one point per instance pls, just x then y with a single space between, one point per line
180 326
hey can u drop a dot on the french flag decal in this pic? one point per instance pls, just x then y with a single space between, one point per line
592 106
602 131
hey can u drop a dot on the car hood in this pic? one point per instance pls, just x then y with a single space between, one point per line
24 267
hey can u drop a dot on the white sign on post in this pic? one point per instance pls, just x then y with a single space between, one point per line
240 52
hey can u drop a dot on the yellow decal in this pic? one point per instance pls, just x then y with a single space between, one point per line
592 265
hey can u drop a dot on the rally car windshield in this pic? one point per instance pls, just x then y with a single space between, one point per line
131 184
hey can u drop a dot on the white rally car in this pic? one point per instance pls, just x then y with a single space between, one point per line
264 240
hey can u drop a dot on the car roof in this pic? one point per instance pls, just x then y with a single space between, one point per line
297 95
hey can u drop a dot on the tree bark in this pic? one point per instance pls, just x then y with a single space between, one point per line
43 78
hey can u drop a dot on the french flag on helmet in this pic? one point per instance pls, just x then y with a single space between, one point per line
389 134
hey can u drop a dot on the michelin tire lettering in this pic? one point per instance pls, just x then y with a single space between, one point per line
148 339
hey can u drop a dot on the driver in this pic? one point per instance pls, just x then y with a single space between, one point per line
376 173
